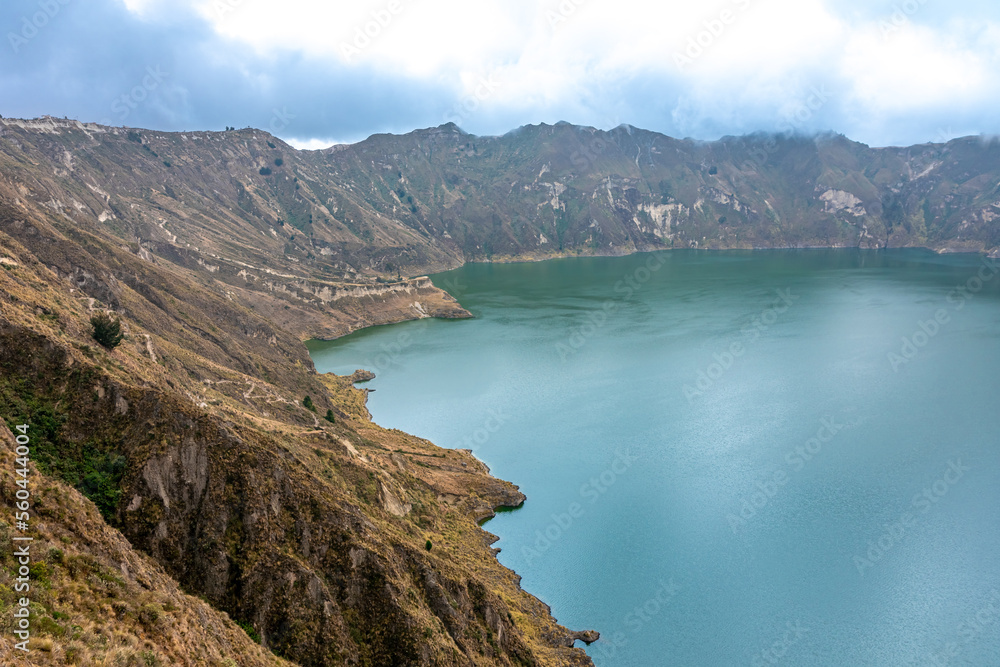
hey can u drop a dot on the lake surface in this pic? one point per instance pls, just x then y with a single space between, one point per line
730 458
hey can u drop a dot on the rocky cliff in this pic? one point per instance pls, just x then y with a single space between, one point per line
246 210
227 519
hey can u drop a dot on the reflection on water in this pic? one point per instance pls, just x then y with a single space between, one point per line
709 454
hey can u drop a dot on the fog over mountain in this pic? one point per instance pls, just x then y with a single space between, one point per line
320 73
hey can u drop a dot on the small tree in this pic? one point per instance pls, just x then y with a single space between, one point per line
428 546
330 417
107 330
308 404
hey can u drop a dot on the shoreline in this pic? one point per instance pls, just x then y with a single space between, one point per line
486 514
989 254
481 515
993 253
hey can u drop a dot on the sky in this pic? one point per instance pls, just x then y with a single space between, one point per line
319 72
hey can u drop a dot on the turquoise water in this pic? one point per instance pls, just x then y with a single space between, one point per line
730 458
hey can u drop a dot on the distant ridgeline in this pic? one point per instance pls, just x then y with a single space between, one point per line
434 198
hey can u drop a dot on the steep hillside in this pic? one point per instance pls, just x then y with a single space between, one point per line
548 190
332 540
229 505
97 601
304 231
200 202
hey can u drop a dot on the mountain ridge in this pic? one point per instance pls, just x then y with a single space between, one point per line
431 199
310 532
332 540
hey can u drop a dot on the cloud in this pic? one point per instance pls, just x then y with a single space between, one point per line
339 71
91 57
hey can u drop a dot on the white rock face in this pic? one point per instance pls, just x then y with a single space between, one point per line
663 216
839 200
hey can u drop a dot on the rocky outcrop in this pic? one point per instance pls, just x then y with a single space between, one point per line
89 584
334 542
586 636
359 376
837 201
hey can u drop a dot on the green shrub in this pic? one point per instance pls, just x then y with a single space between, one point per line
265 171
330 417
102 483
107 330
149 614
308 404
39 571
249 629
428 546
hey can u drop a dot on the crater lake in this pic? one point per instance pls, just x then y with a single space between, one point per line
730 458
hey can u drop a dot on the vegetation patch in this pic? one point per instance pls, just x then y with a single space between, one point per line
107 330
92 466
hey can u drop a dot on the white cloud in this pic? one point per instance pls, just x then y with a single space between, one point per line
138 6
315 144
912 69
746 63
420 37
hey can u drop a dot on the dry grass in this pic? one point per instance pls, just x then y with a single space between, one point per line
102 600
